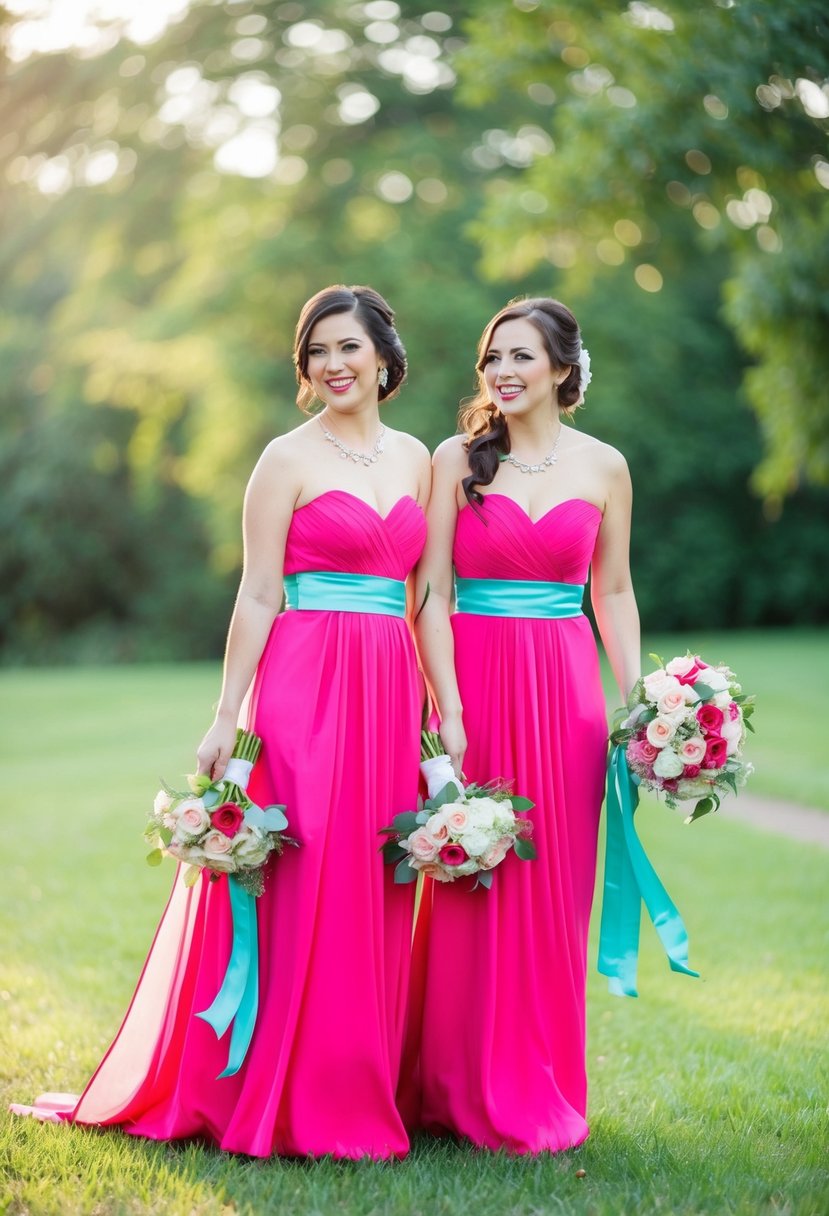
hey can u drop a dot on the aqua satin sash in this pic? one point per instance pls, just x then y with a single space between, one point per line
338 591
630 879
237 1000
515 597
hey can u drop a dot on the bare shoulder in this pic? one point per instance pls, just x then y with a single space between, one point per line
282 460
451 456
603 456
411 447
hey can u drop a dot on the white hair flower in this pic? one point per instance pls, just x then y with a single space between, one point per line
586 375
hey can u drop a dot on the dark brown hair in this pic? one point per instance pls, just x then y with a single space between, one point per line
487 436
376 318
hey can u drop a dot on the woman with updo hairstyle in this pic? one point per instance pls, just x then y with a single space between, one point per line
333 524
522 507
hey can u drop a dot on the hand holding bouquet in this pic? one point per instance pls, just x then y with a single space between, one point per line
684 732
215 826
456 832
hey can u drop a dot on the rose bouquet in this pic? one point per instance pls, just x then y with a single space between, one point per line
215 826
684 731
457 831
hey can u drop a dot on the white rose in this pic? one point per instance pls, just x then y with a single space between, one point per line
660 731
162 802
655 688
692 787
482 812
732 732
667 763
476 841
251 848
713 678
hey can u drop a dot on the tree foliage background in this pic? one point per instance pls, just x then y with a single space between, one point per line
167 204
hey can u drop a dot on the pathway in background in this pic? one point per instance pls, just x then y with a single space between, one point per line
785 818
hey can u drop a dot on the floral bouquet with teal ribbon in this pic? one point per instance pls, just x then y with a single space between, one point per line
681 736
215 827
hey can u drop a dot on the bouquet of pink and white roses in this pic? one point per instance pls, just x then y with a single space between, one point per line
684 732
457 831
215 826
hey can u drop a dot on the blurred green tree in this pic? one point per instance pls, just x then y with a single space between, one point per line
675 126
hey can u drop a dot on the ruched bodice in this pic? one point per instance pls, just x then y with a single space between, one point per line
499 540
338 531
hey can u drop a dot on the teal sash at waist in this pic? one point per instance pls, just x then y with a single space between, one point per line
514 597
337 591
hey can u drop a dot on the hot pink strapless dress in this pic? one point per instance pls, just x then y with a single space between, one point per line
499 1002
337 701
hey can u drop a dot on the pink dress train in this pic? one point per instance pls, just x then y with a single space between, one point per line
337 700
498 1004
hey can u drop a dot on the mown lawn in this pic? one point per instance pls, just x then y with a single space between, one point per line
706 1096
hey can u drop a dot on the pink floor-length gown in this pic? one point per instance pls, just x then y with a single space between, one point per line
499 998
337 701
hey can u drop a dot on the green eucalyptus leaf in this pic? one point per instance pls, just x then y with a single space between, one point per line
484 879
520 803
191 875
525 849
393 852
403 872
405 823
155 858
703 691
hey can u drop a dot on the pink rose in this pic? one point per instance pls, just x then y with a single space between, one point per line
437 828
671 784
227 818
422 847
215 844
496 854
671 701
691 770
453 855
715 753
693 750
710 718
457 819
649 752
660 732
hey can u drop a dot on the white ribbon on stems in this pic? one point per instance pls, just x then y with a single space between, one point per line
438 772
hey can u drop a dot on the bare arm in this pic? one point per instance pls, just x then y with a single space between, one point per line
611 588
269 504
432 627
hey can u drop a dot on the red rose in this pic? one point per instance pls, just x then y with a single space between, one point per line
715 753
227 818
691 770
453 855
710 718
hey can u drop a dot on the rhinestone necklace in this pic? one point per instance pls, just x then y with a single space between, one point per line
547 463
366 458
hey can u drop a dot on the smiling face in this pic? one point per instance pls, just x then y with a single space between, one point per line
343 363
517 370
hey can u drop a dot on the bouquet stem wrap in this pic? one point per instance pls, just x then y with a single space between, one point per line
237 1000
630 879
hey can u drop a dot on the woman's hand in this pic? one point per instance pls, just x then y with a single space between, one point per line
216 748
453 738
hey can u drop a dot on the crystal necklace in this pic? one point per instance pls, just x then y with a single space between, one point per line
366 458
547 463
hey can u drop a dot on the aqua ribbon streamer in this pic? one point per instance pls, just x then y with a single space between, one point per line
237 1000
630 880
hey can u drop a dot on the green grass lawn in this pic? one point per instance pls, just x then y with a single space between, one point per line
707 1096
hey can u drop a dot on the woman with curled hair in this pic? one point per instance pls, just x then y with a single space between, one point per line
524 506
333 521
